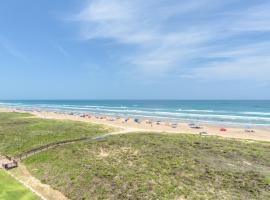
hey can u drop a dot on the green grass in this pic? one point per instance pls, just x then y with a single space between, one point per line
155 166
21 131
11 189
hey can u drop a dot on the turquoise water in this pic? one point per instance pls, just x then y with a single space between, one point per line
246 113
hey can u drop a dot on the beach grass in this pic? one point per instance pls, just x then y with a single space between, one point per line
22 131
157 166
11 189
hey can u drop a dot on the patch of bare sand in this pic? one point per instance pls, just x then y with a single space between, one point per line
102 152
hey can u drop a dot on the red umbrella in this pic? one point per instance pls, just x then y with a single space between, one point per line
223 129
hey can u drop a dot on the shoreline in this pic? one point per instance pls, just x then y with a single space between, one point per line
171 127
247 117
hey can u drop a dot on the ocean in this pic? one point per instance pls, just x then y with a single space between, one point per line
229 112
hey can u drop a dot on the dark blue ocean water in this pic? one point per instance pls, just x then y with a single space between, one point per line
238 112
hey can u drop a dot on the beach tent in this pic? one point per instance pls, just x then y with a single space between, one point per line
136 120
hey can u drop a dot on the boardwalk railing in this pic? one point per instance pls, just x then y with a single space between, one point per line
33 151
39 149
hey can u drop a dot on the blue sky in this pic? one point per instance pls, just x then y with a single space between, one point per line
135 49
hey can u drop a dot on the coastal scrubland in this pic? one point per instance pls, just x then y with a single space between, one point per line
157 166
11 189
20 132
138 165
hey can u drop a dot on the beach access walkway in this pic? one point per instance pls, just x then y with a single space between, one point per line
45 147
44 191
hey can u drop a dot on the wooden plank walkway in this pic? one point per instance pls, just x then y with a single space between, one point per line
45 147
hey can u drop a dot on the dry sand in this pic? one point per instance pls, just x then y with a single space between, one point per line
144 126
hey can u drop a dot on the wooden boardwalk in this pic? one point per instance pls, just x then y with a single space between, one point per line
45 147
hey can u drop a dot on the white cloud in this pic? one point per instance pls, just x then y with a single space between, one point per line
170 34
250 62
141 23
253 69
104 10
256 18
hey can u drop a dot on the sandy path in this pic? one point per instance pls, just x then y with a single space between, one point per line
44 191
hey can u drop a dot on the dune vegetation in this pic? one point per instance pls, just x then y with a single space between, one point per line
22 131
138 165
157 166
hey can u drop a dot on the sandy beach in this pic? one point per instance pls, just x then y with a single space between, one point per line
130 125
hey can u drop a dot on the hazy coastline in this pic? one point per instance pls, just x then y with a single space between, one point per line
133 124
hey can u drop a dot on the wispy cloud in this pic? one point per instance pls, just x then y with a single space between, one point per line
254 18
170 35
243 62
11 49
61 50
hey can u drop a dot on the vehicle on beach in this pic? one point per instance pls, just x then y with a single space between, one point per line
174 125
195 127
